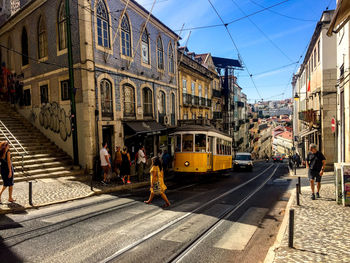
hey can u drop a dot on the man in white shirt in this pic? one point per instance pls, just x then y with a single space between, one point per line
141 161
105 164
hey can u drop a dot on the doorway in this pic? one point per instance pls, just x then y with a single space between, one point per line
108 136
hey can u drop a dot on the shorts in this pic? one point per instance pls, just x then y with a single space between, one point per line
105 169
314 175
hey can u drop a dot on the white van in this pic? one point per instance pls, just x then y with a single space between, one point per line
243 161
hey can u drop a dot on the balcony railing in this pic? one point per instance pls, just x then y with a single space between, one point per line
208 102
217 93
195 100
187 99
217 115
202 102
310 116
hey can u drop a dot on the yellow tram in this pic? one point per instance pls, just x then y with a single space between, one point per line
201 149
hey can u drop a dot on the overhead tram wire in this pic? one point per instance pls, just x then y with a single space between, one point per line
283 15
234 43
263 33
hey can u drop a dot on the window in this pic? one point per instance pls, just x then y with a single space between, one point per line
200 91
102 24
315 58
184 86
62 27
145 47
126 40
178 143
171 58
318 51
42 40
147 102
206 92
129 101
200 143
187 143
44 93
194 116
65 90
24 43
193 87
27 97
173 104
160 53
162 102
106 98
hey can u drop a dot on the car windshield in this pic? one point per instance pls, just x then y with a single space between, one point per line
243 157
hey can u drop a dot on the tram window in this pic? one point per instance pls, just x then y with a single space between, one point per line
218 149
187 143
200 142
178 143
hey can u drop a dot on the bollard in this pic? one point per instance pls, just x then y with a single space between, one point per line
30 193
291 228
297 192
91 183
299 185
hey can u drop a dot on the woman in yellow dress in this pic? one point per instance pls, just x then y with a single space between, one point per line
157 182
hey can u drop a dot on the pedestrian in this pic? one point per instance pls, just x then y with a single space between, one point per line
157 182
141 162
125 165
117 161
315 162
7 171
105 164
166 161
109 176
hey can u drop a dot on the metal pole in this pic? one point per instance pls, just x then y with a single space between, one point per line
291 228
299 185
31 193
297 193
71 87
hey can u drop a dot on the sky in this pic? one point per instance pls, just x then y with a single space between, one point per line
270 43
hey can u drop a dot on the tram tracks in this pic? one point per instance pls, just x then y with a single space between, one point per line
122 251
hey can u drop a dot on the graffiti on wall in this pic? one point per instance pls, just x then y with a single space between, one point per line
55 118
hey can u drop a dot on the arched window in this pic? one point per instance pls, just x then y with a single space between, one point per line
125 35
24 44
147 102
161 106
171 59
62 27
102 24
173 106
106 98
129 101
145 46
160 53
42 39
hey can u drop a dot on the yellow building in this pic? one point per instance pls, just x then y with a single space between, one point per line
196 83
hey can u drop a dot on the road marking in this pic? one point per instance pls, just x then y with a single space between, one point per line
240 232
150 235
189 229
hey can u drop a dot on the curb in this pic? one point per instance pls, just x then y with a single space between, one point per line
270 256
94 193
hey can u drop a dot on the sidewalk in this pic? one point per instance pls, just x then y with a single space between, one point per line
321 232
52 191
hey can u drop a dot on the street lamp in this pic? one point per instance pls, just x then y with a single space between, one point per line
296 96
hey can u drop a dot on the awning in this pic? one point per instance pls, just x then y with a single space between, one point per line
149 127
341 16
307 132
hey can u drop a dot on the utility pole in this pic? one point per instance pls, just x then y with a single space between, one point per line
71 87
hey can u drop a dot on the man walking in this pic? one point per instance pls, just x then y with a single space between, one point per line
315 162
141 162
105 163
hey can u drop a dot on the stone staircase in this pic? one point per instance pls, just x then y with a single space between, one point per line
41 157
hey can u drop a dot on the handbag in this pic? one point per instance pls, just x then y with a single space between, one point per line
156 186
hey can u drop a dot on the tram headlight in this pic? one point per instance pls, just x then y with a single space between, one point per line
187 163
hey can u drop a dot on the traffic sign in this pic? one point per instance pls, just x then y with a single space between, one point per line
333 125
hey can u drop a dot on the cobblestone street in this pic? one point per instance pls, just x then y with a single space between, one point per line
48 191
321 230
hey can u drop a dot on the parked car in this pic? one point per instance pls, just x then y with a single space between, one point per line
243 161
277 158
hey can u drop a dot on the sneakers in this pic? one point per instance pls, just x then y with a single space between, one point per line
313 197
103 182
318 195
128 182
123 180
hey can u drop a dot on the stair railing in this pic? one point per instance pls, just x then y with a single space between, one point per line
22 154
